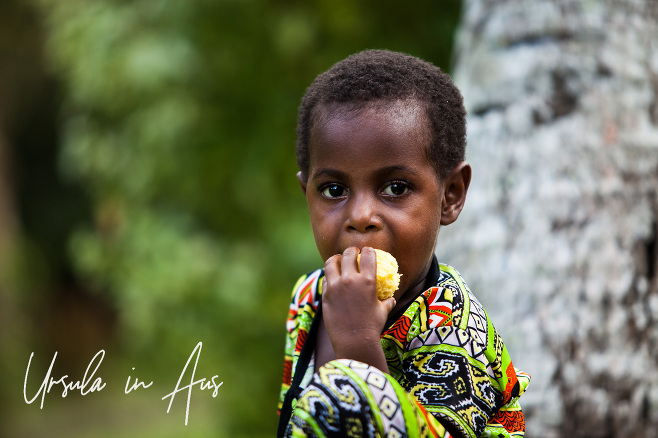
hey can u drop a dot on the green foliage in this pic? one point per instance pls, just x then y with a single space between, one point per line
179 122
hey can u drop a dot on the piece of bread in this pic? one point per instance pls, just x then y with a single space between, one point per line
388 278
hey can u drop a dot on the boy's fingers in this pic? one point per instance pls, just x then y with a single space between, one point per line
368 260
348 263
390 304
332 266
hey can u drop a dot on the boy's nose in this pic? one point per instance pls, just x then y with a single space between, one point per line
363 216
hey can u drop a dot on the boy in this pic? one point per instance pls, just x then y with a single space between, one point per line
380 149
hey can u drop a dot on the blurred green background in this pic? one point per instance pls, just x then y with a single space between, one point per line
148 198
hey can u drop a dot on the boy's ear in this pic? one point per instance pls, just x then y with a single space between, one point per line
302 181
454 193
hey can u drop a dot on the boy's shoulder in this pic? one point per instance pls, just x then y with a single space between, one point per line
308 287
454 290
467 311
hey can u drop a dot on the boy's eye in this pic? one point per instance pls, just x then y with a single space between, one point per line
333 191
396 189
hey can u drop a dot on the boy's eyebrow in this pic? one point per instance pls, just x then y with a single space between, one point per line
334 173
395 168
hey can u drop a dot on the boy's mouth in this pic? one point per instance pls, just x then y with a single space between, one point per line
360 247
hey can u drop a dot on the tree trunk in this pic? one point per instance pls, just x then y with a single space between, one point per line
558 237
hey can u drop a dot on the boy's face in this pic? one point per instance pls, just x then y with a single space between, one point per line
370 183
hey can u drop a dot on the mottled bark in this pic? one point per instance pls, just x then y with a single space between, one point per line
558 237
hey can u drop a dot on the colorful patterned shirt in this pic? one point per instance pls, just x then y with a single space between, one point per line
443 350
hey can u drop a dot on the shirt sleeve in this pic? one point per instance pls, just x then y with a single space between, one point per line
304 300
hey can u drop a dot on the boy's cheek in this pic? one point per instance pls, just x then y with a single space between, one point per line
323 243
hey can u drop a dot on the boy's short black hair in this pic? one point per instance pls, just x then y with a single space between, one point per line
375 76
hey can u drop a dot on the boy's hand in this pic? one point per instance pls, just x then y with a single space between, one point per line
353 316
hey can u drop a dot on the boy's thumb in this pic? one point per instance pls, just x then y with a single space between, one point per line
390 304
